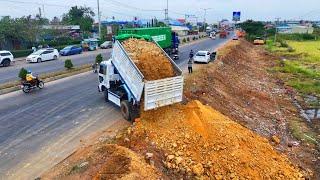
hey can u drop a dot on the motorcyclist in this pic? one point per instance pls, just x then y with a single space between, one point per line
30 78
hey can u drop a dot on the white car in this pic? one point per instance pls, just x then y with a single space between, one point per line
202 56
43 55
6 58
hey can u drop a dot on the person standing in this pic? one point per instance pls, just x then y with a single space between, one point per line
190 62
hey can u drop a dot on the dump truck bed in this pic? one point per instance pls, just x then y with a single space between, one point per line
157 93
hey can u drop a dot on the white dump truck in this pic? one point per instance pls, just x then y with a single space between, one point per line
124 84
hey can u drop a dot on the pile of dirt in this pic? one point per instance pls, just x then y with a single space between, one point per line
242 86
149 58
199 141
103 162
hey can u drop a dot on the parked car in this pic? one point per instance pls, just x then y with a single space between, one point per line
6 58
43 55
106 45
70 50
202 56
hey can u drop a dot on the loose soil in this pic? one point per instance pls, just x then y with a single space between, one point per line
240 86
149 58
196 141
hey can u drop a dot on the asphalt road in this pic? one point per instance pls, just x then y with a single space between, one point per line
11 73
39 129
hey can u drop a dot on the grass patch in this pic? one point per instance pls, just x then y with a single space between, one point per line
14 85
301 70
301 132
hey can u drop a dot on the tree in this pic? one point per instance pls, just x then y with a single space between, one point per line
23 73
82 16
68 64
253 28
99 58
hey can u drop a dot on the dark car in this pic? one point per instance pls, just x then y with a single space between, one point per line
70 50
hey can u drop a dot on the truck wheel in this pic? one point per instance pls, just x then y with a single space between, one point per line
106 95
125 110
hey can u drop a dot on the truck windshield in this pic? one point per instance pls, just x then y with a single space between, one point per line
103 69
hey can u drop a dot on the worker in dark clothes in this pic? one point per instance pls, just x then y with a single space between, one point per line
190 62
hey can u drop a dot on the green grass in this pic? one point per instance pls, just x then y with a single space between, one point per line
302 65
301 132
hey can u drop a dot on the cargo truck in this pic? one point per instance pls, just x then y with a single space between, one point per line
223 34
124 84
164 36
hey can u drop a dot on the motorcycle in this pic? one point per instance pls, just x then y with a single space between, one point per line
27 86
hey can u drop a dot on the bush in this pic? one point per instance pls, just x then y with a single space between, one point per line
283 44
23 73
99 58
290 49
21 53
297 37
193 38
184 40
68 64
188 39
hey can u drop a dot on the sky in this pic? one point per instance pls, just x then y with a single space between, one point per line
266 10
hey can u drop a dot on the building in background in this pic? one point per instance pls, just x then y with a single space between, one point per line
295 28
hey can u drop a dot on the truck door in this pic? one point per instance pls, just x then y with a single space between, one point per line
103 79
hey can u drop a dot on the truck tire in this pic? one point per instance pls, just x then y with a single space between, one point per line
129 111
106 95
125 110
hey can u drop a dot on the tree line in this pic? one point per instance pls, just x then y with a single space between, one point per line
27 31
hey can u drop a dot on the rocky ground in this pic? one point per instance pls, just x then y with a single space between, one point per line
239 133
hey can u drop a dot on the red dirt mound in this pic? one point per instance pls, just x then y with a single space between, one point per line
149 58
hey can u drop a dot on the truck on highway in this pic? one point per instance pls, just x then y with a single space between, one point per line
223 34
124 84
164 36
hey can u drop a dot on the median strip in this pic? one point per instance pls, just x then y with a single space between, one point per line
47 77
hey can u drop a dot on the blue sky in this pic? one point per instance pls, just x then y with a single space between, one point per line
127 9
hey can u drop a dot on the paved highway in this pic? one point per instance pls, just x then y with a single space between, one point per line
39 129
11 73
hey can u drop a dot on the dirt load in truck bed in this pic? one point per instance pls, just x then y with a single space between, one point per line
149 58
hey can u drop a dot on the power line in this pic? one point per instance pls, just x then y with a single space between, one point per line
36 3
131 7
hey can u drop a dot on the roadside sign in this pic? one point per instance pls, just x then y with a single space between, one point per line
236 16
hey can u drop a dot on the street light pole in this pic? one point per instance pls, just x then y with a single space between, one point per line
204 18
99 19
167 13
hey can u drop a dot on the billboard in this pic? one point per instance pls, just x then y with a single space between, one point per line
236 16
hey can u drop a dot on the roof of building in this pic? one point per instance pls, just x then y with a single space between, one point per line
179 28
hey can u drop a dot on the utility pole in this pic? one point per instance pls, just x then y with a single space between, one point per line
166 13
99 18
43 9
204 18
40 14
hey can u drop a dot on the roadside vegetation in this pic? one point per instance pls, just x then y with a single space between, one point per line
298 67
299 64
